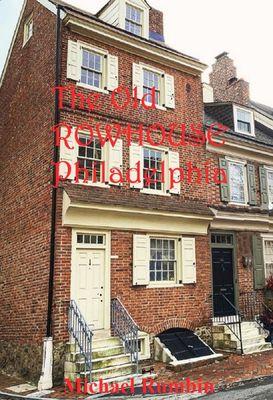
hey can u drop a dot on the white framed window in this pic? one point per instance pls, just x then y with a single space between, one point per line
28 29
92 69
90 156
90 239
270 188
147 78
244 121
152 80
268 257
134 20
237 182
163 260
153 169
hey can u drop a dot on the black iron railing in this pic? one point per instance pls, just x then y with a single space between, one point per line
254 309
233 321
126 329
82 336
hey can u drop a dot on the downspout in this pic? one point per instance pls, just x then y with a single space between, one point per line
46 379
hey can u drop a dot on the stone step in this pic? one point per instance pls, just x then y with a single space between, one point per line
256 348
104 362
111 372
102 352
106 342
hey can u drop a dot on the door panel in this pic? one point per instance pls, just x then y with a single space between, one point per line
90 286
223 281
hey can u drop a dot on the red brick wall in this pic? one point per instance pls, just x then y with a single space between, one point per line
26 115
158 309
153 309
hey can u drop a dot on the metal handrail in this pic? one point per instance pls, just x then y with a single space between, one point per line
234 325
252 307
126 329
82 334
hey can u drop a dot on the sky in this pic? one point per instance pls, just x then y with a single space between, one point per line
200 28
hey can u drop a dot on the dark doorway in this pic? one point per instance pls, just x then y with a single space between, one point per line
223 281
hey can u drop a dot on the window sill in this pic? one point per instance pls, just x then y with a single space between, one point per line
231 203
94 88
156 192
157 106
102 185
164 286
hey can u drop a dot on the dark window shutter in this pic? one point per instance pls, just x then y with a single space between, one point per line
224 186
263 185
251 182
258 262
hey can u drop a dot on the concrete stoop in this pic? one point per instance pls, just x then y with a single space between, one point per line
253 338
109 361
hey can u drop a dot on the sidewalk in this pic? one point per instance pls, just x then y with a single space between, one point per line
222 374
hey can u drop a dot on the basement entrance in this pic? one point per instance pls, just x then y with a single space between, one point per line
184 346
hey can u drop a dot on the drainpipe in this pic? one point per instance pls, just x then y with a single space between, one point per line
46 380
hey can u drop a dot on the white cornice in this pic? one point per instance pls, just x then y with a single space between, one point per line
242 221
134 45
253 152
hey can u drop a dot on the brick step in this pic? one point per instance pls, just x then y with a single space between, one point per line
107 351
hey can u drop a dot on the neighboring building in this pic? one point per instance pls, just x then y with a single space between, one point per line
121 252
242 229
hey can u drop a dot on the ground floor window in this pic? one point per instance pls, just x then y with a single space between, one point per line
268 257
163 260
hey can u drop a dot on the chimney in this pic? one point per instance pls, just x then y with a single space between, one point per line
226 86
156 25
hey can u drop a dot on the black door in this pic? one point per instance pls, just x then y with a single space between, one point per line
223 282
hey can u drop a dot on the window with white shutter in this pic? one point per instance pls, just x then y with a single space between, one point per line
114 161
68 153
92 67
163 261
148 79
140 260
136 166
188 260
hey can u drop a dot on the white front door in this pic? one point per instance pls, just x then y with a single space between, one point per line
89 275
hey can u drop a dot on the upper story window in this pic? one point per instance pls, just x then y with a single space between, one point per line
90 157
244 121
237 182
133 20
28 29
92 69
152 169
151 80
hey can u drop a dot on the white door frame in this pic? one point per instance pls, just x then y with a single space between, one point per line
107 269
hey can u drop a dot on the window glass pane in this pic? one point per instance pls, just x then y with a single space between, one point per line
268 257
90 160
152 169
91 71
270 188
151 80
162 259
237 182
